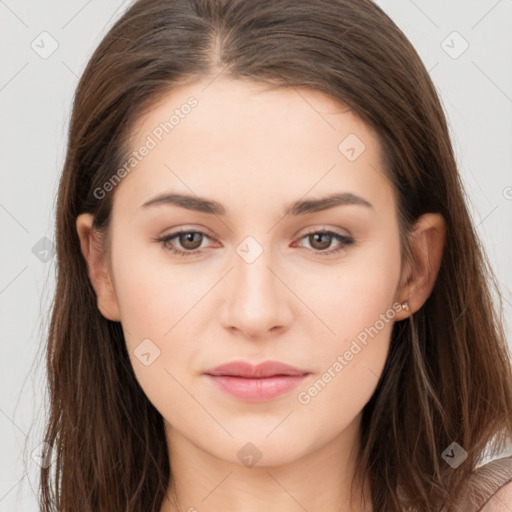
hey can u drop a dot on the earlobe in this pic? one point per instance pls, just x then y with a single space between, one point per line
427 244
96 260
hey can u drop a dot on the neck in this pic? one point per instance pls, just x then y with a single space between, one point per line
317 480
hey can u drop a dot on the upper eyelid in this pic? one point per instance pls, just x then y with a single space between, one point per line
174 234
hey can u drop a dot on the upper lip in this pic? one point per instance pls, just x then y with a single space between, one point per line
265 369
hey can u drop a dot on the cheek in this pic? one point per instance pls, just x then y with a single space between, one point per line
352 296
154 301
153 295
357 306
159 301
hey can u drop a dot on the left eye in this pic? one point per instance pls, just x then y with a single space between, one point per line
189 241
317 237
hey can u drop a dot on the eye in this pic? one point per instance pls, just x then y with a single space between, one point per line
191 240
321 240
187 239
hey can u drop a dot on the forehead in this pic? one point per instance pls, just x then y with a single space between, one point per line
240 142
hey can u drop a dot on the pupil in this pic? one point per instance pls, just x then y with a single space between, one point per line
189 239
326 243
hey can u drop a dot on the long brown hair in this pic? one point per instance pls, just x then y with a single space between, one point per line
448 375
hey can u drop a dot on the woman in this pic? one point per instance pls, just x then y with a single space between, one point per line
270 295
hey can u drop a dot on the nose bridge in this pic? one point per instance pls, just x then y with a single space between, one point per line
253 257
257 300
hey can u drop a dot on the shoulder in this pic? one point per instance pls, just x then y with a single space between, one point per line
489 488
492 486
501 501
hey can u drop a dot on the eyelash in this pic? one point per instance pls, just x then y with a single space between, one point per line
345 241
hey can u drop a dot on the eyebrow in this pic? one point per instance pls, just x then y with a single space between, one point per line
300 207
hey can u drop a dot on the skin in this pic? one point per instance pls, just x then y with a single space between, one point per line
255 151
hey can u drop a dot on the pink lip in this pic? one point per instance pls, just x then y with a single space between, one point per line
256 383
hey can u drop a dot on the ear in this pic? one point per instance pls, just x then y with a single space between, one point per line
419 276
96 259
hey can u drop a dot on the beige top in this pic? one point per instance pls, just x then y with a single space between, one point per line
484 483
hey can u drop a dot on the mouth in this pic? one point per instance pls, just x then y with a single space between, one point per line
259 383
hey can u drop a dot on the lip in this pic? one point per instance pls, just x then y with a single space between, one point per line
256 383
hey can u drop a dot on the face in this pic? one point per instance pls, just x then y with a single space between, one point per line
253 281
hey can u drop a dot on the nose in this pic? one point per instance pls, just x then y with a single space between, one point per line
257 298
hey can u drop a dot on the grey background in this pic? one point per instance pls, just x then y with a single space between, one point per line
475 87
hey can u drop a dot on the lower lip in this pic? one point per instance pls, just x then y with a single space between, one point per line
257 390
